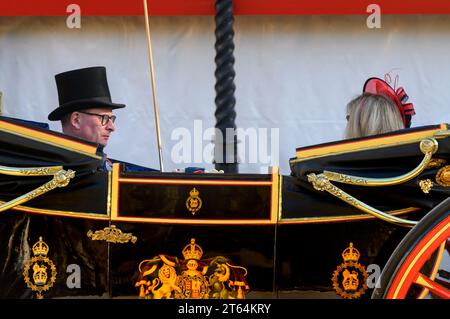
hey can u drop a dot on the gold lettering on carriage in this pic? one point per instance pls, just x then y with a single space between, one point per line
167 277
350 278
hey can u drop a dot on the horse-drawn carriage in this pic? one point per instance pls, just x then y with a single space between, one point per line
348 210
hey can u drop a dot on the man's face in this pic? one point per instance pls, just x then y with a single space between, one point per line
89 127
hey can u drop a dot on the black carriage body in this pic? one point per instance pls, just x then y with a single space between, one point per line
288 236
237 220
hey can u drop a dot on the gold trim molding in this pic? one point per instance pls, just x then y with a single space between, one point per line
50 139
370 143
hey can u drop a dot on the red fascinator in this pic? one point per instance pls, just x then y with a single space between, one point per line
398 96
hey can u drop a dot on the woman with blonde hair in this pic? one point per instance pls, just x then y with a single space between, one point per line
380 109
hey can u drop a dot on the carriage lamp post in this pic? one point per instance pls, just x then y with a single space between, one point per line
225 145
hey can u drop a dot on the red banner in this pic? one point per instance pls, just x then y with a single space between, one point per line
206 7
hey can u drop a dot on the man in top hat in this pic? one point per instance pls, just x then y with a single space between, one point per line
85 106
85 109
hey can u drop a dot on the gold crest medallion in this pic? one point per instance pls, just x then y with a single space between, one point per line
194 202
350 277
44 270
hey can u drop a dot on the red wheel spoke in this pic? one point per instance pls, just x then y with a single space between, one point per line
409 271
434 287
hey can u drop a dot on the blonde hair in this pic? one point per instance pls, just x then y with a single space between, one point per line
371 114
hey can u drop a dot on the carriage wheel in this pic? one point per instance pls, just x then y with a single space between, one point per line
420 265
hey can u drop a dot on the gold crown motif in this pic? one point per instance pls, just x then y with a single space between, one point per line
350 254
194 192
192 251
40 248
39 275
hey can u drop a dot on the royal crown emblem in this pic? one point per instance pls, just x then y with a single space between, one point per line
350 277
44 271
192 251
192 278
350 254
40 248
194 202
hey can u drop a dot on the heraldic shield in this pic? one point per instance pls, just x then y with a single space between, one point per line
167 277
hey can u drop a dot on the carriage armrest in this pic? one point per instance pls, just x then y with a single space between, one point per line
374 142
28 122
402 172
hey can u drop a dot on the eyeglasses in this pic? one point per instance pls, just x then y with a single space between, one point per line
104 117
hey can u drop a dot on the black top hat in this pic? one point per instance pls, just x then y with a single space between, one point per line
82 89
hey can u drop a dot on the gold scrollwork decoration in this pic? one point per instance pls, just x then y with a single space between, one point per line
60 179
426 185
112 235
443 176
322 183
428 146
436 163
41 280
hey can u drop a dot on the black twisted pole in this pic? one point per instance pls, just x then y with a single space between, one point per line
225 152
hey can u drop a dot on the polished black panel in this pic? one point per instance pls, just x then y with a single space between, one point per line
308 254
86 192
68 245
218 202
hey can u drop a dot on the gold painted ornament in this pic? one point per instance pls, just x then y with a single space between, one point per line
43 274
350 278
